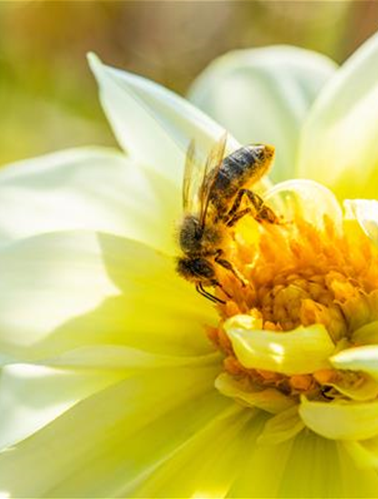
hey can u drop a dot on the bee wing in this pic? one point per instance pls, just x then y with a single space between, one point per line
213 164
192 181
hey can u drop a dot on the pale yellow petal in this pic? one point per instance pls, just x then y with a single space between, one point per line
302 350
32 396
119 357
308 466
366 212
281 427
362 389
341 420
205 466
339 146
367 334
320 468
364 358
262 467
306 199
269 399
90 189
364 453
111 440
263 95
67 290
153 124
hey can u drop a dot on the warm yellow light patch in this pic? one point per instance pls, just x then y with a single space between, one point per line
299 275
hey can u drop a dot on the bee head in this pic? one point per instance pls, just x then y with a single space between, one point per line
196 269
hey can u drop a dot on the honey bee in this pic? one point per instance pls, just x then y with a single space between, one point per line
213 201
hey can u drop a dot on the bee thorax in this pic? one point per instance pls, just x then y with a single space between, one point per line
198 239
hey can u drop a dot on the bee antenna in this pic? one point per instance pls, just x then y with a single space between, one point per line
208 295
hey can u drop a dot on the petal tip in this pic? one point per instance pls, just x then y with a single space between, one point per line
94 62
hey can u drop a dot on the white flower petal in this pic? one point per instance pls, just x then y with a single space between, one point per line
281 427
365 389
367 334
307 199
268 399
116 436
262 467
339 144
88 188
341 420
364 358
366 213
363 453
262 95
218 443
119 357
66 290
152 124
307 466
32 396
300 351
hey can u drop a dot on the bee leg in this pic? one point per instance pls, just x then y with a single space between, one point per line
228 265
232 212
238 216
208 295
262 213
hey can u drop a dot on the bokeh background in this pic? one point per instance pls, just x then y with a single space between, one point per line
48 97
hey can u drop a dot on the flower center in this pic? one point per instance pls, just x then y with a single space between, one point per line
309 290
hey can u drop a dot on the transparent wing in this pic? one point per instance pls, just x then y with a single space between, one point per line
199 178
213 164
193 178
188 169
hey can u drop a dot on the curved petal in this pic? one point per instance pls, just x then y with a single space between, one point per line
366 213
360 389
363 359
305 466
231 463
341 420
300 351
307 199
339 144
32 396
66 290
88 188
119 357
255 477
364 453
281 427
218 444
180 438
118 436
262 95
269 399
152 124
367 334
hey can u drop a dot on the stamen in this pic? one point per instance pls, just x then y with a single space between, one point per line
299 275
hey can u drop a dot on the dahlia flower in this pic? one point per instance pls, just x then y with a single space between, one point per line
118 379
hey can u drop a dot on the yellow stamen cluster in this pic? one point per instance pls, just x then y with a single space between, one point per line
299 274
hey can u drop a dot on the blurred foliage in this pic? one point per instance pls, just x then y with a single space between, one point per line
48 98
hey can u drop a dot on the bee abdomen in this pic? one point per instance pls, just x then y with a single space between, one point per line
245 165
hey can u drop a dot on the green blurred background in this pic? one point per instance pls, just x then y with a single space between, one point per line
48 98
